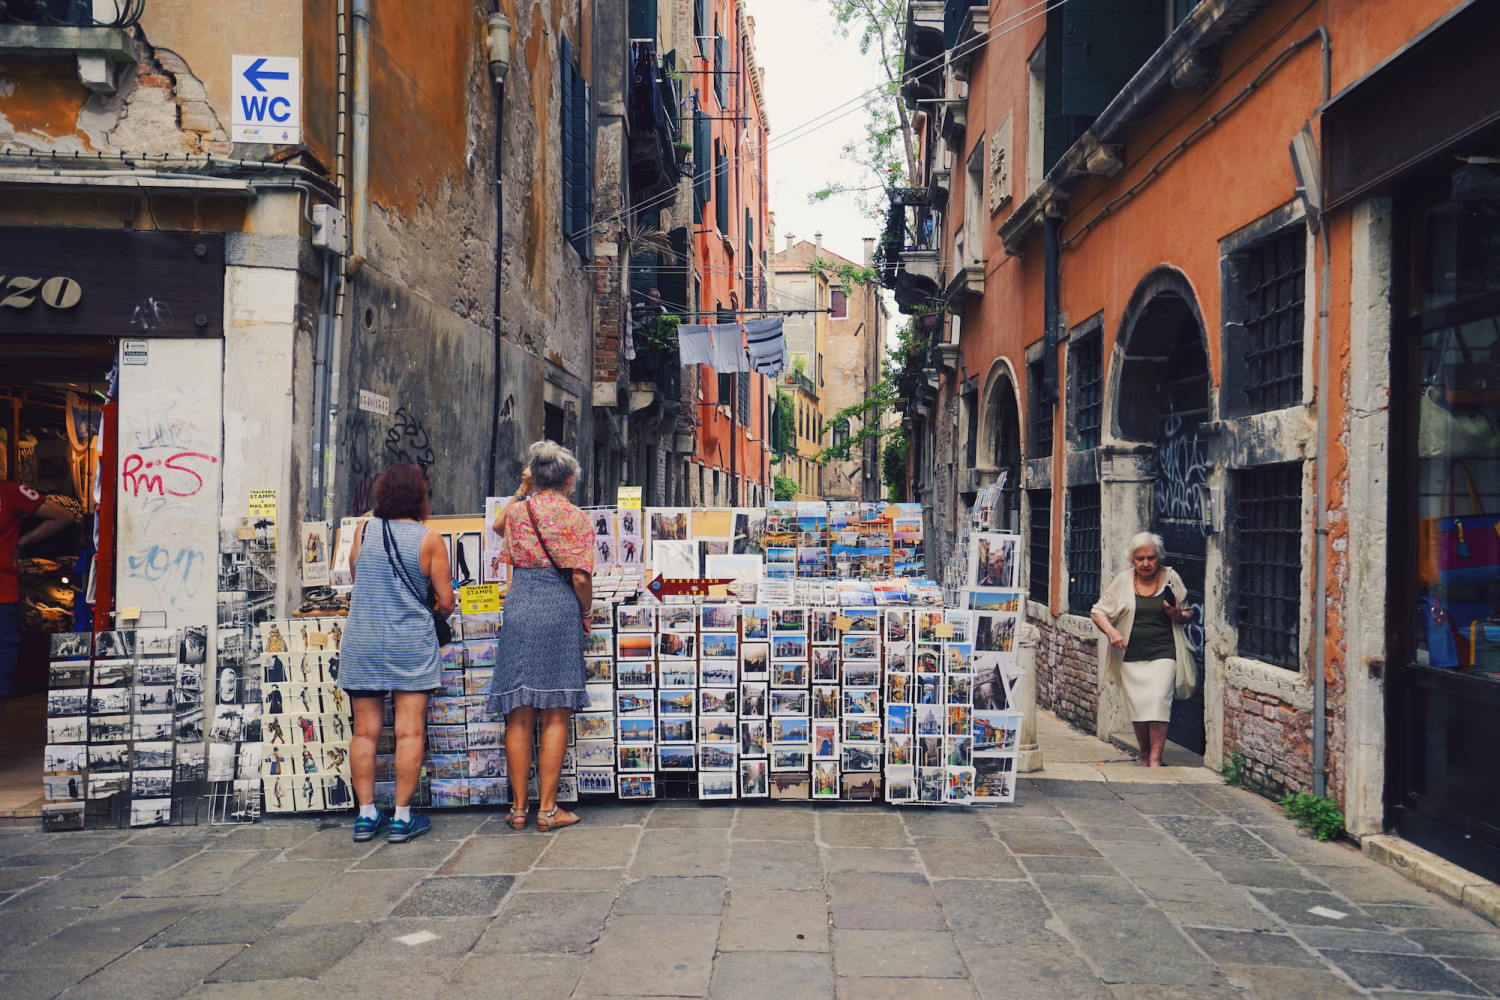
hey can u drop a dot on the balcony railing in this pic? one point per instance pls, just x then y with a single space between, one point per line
655 125
73 13
663 368
799 380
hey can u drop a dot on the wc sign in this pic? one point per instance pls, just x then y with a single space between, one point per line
267 94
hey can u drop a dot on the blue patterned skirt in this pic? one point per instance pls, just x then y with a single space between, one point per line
539 652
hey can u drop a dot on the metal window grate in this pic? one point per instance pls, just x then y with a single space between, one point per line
1274 286
1088 381
1083 548
1040 556
1041 412
1270 562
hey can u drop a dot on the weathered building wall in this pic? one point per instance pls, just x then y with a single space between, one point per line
1067 671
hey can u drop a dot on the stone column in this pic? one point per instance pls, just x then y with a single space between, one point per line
1024 698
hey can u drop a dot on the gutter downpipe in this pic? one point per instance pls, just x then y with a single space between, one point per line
360 193
1320 561
499 264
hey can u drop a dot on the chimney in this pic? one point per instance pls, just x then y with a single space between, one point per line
818 242
869 242
791 241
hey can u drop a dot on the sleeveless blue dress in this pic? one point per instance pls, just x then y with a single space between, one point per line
389 643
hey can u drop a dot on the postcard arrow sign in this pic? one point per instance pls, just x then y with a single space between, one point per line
677 588
256 72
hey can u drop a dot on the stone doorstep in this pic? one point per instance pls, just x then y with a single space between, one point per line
1478 895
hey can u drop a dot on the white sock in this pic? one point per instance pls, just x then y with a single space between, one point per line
369 811
403 814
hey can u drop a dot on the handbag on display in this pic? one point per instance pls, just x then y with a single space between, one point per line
1442 433
1471 382
1459 549
1484 648
440 624
1442 646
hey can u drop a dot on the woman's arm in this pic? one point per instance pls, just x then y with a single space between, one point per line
359 541
583 586
1116 639
438 570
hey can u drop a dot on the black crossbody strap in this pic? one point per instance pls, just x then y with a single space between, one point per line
538 532
388 537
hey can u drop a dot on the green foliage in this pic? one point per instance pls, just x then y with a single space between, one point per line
885 152
658 333
799 364
847 275
1234 771
785 488
785 438
1314 813
893 465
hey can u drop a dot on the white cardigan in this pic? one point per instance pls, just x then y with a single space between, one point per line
1117 603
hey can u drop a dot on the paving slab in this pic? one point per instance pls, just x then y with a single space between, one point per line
426 852
15 879
208 874
1214 836
1038 864
761 864
721 818
652 956
494 856
605 813
571 880
781 822
982 912
870 859
1005 819
228 922
967 823
1152 860
1130 991
681 852
775 920
406 978
950 857
1482 972
302 989
874 988
367 895
1200 890
1129 944
1123 832
703 894
1402 972
1047 842
756 975
280 881
1357 940
304 952
591 847
332 843
155 974
455 896
1436 912
1295 907
1371 884
1262 874
449 938
266 834
1088 889
896 954
1252 948
1226 914
1301 847
862 828
547 923
514 977
1053 970
1462 944
132 860
883 901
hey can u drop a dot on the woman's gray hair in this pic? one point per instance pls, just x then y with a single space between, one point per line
552 465
1141 540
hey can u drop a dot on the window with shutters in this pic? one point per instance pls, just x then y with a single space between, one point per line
1269 551
1083 548
700 26
719 67
577 142
1086 354
721 189
742 391
1041 410
1039 547
1273 279
839 303
703 160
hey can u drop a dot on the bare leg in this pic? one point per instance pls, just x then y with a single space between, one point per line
1158 741
368 720
554 742
1143 741
518 726
411 727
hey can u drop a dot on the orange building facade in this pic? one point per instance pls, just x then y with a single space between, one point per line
1220 272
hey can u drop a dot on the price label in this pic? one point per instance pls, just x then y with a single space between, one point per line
718 591
943 631
129 614
317 639
479 598
245 533
843 623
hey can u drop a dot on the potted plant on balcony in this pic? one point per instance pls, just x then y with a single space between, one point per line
682 149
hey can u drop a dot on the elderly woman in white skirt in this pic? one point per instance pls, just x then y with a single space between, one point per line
1141 613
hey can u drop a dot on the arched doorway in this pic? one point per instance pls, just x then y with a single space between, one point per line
1002 420
1164 395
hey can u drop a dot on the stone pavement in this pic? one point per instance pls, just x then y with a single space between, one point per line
1085 889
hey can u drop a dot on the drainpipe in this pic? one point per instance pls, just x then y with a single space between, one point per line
360 195
1051 306
1320 489
498 51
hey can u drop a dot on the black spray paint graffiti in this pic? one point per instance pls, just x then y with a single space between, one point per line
1183 469
408 441
370 450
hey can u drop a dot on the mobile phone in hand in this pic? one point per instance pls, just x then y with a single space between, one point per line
1169 597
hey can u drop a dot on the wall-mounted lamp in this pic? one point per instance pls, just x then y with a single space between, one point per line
497 43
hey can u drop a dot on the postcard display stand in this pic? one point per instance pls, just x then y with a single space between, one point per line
302 761
125 728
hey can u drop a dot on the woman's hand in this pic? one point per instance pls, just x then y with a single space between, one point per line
1179 615
527 485
1118 641
588 626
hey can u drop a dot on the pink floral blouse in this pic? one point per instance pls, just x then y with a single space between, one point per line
569 535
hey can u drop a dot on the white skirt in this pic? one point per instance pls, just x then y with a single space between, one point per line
1148 686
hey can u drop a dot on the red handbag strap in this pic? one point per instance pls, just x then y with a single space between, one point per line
1476 506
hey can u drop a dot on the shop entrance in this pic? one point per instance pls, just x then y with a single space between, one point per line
51 430
1162 392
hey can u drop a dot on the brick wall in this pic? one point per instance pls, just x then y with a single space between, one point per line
1067 676
1273 739
610 311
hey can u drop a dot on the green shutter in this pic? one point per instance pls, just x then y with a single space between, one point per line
642 19
719 69
1094 47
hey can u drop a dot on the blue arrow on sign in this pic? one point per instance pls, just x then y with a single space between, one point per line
254 73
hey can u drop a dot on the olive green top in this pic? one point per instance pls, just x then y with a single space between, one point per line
1151 632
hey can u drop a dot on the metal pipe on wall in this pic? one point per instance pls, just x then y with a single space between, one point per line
1320 489
359 195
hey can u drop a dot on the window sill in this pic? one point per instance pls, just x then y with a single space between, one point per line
1290 686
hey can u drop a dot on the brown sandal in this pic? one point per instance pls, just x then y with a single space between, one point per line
546 821
516 819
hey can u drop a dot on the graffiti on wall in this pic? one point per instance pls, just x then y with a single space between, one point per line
1183 468
370 443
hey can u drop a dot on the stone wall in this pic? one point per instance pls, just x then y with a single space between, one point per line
1067 670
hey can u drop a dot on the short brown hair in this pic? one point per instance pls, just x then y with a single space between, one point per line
401 491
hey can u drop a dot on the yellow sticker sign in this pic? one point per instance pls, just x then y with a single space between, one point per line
262 503
479 598
629 498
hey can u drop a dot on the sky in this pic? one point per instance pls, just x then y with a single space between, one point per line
810 69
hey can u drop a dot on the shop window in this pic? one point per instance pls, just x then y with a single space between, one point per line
1272 284
1087 357
1083 548
1039 503
1041 410
1269 550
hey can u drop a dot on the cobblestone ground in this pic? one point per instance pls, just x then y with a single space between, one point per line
1084 889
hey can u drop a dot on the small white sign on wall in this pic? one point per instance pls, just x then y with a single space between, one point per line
266 99
372 402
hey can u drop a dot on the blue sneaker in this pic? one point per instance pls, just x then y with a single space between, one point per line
369 829
410 830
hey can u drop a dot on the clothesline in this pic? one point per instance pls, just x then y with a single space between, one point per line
753 345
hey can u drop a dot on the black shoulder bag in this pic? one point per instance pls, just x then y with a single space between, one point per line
439 622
